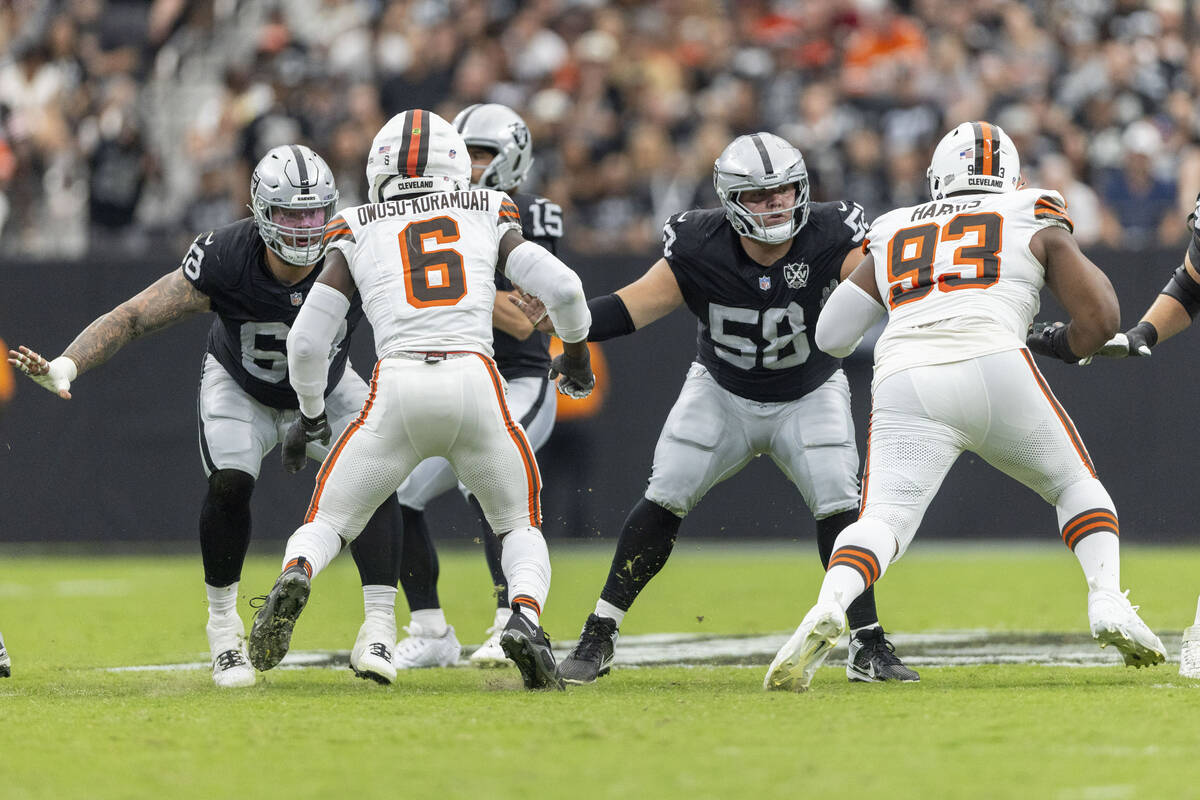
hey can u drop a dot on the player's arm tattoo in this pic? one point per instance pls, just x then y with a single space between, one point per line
161 304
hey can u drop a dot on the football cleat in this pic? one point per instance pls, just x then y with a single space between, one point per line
420 649
528 647
371 658
490 654
5 661
1114 621
1189 652
872 659
271 633
593 655
227 646
798 659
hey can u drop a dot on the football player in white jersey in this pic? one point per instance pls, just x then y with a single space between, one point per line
960 279
423 255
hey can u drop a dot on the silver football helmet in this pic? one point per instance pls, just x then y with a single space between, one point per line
761 161
499 129
416 152
292 196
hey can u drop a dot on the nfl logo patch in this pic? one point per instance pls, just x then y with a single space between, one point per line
764 282
297 298
454 154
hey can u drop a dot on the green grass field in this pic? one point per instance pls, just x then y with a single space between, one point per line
71 728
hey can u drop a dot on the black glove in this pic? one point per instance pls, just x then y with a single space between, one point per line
295 444
577 378
1142 337
1050 339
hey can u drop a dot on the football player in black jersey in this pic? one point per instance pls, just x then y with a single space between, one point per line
254 274
755 272
501 154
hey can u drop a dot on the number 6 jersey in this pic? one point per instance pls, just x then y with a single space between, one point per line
425 266
957 277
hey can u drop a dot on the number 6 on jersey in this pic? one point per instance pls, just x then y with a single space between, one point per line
432 277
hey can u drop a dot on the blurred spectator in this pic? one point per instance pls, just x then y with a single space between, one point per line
137 118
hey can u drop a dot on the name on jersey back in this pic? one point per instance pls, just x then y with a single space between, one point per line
936 208
435 201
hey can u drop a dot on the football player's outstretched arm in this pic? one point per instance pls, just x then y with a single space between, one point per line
1084 292
851 310
161 304
1170 313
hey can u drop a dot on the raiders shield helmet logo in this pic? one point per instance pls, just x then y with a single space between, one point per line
796 275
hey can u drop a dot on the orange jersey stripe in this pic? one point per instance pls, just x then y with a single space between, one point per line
1072 434
866 477
532 475
338 446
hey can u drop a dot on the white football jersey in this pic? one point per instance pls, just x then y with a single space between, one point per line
426 266
957 277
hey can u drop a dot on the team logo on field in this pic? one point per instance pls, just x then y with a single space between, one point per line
297 298
764 282
796 275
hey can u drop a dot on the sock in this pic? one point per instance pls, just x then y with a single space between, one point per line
527 570
861 612
854 631
379 602
419 568
315 542
225 526
431 621
607 609
491 551
860 556
1087 521
374 550
643 548
222 605
501 618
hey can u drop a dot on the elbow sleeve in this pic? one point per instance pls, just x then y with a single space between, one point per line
540 273
847 315
309 343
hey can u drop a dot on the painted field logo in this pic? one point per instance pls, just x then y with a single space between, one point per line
796 275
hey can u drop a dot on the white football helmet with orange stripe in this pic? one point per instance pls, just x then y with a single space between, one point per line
416 152
974 157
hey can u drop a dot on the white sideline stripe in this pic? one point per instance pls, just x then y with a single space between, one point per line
934 649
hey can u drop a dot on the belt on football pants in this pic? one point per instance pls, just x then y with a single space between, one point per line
430 356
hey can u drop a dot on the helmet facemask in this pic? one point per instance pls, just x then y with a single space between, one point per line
292 197
753 224
501 131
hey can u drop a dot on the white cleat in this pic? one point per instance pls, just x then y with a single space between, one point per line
421 649
490 654
797 661
227 646
1189 653
371 658
1114 621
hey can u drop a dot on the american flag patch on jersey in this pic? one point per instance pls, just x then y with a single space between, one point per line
384 148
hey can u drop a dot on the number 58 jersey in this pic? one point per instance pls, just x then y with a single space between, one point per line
425 267
957 276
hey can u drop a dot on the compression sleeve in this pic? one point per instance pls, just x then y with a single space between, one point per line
540 273
610 318
848 314
309 342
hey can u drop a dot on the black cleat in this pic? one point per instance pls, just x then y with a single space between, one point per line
272 630
528 647
5 661
593 656
872 659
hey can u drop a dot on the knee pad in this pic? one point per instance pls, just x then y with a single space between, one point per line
230 487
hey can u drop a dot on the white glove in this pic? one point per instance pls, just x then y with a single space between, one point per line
53 376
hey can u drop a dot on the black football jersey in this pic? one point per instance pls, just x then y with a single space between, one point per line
1194 245
756 323
255 312
541 223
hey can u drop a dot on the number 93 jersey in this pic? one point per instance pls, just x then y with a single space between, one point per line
756 322
425 266
255 312
957 276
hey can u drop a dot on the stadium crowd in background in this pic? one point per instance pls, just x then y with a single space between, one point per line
124 123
